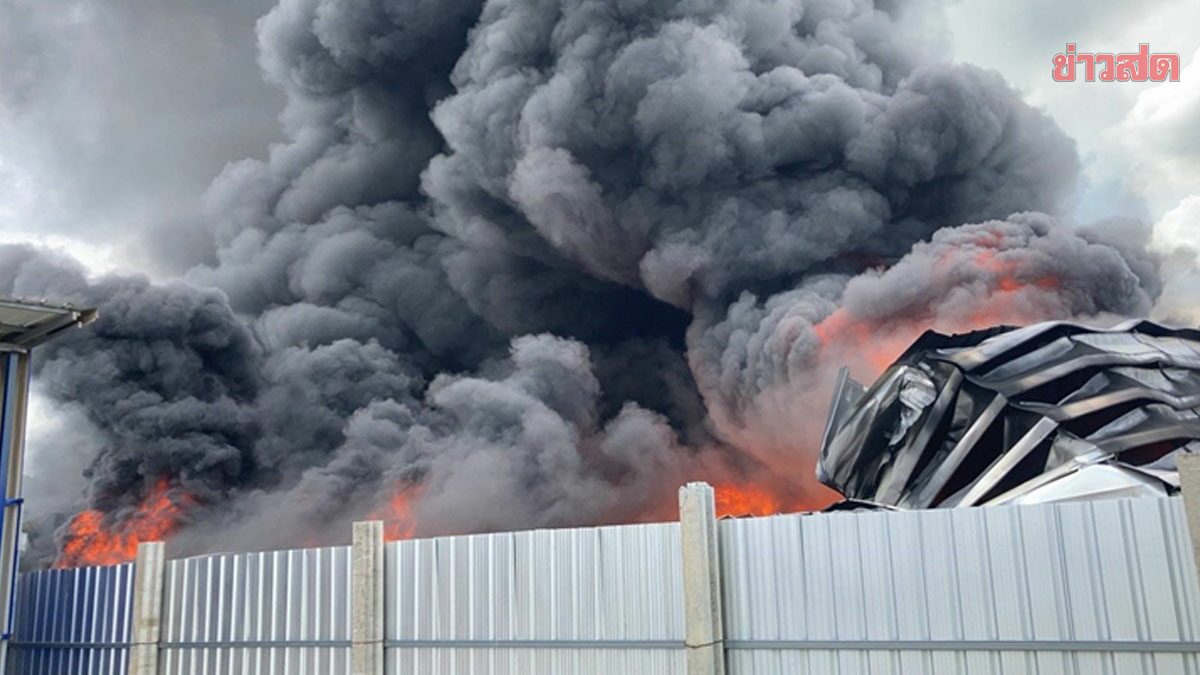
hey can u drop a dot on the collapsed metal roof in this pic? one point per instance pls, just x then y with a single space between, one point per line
1054 411
25 324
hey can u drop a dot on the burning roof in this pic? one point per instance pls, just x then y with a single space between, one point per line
1050 412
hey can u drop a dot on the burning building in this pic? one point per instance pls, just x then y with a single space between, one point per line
1053 411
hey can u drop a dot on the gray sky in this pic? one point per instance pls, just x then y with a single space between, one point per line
115 115
1138 141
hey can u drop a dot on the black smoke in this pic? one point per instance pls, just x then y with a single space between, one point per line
548 259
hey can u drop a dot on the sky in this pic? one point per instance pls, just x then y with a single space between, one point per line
116 115
1137 141
114 118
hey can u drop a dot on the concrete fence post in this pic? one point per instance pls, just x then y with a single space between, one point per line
704 630
1189 482
148 572
366 599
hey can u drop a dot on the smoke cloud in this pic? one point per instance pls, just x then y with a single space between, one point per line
534 264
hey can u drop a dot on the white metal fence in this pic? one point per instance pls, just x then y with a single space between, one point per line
1105 587
1096 587
593 600
275 613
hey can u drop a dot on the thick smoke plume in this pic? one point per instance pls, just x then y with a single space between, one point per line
531 263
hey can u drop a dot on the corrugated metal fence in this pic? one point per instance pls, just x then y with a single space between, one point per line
72 621
595 600
1097 587
1106 587
275 613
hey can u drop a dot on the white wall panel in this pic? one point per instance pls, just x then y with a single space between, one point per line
1081 588
1070 589
589 600
273 613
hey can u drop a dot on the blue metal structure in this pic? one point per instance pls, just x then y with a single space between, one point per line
23 325
73 621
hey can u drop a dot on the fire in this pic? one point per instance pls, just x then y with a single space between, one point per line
1006 275
399 520
877 347
873 343
752 500
91 540
980 283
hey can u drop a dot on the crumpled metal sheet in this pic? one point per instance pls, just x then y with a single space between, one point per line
1050 412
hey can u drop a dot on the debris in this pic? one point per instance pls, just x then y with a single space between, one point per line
1055 411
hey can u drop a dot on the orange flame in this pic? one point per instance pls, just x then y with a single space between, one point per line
1006 275
745 500
757 499
876 343
92 541
399 520
879 347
